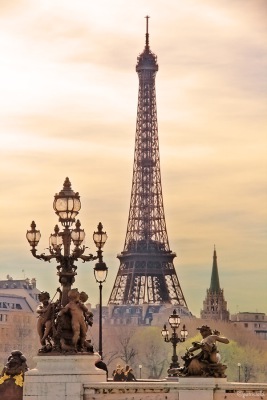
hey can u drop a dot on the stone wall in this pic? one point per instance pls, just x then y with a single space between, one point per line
185 389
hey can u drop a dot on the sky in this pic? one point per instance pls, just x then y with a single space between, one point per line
68 107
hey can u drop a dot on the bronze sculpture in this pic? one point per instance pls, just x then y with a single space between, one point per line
44 322
64 329
207 361
12 377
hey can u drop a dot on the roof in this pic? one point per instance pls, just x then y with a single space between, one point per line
22 288
11 303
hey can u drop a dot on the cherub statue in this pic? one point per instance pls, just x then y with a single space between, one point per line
88 315
77 311
44 323
207 361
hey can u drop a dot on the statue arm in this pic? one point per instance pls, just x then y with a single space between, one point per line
43 309
63 310
83 307
221 339
196 346
39 310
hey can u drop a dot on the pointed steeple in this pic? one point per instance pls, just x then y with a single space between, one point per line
215 282
214 305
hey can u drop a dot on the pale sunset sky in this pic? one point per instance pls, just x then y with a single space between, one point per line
68 108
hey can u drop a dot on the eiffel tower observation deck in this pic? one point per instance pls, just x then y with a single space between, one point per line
146 276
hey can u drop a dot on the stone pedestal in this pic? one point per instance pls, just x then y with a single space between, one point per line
196 388
61 377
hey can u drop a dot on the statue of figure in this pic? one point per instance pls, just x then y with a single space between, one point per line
16 364
207 361
12 377
88 315
77 311
64 329
44 323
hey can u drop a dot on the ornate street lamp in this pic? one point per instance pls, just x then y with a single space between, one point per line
67 205
174 321
100 272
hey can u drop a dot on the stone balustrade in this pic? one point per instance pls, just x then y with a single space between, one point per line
185 389
73 377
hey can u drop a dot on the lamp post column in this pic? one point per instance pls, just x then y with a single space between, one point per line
239 375
140 370
174 341
100 272
66 272
100 350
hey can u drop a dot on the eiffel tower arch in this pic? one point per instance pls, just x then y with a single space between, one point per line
146 279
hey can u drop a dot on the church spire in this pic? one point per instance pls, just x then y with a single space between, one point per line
215 282
214 305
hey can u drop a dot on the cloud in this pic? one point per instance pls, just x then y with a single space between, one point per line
7 7
68 108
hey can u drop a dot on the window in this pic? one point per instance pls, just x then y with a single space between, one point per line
245 325
3 317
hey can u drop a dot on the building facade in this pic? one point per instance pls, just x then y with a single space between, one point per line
252 321
18 318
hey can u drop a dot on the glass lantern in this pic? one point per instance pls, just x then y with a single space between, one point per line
101 272
33 236
174 320
184 333
100 237
67 204
165 332
78 234
56 240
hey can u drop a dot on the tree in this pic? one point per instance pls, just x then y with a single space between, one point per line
126 348
152 352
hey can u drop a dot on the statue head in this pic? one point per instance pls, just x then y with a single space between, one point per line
205 330
73 295
43 296
83 297
16 363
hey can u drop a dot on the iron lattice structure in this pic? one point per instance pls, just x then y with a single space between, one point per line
146 273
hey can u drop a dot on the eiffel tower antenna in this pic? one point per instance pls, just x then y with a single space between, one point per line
147 34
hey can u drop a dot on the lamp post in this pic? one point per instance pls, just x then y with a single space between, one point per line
174 321
140 370
66 245
239 375
100 272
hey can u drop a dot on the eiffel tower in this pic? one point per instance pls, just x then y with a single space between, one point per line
146 275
